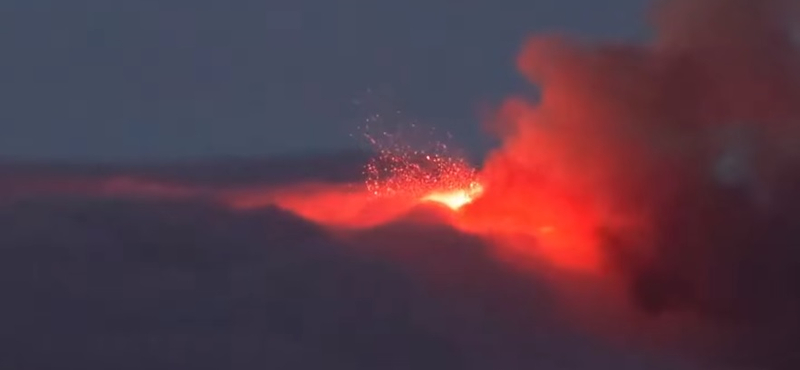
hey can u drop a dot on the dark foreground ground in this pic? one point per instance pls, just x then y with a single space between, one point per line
116 282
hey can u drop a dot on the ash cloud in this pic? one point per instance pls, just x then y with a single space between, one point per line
692 141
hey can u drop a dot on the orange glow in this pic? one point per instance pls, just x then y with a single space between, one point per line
536 194
538 220
455 199
341 206
510 203
434 175
416 174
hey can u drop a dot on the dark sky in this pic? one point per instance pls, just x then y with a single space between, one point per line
174 79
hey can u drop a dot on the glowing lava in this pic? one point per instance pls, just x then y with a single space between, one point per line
508 203
505 202
432 175
455 199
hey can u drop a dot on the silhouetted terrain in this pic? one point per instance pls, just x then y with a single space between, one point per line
116 282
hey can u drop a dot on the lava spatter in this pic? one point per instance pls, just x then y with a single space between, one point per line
433 175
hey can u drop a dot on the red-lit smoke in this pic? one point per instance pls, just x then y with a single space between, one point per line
669 168
671 165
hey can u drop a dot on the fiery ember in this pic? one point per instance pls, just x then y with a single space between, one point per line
532 212
434 175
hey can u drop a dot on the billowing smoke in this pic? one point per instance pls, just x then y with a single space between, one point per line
661 180
679 159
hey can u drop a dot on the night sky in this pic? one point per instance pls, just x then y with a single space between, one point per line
109 80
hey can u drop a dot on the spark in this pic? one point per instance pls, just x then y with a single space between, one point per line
433 175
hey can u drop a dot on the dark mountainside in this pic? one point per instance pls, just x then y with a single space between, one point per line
155 283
